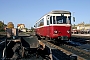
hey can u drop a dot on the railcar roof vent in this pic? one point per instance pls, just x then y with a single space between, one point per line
59 11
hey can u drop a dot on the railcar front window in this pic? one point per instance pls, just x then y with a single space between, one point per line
69 18
50 19
59 19
63 19
54 21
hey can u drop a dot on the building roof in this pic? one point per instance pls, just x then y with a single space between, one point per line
20 25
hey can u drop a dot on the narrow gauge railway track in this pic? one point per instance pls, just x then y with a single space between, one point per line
2 36
86 36
77 51
81 54
82 38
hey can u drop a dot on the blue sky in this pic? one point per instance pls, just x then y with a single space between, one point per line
29 11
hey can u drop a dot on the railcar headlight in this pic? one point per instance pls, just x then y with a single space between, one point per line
55 32
68 31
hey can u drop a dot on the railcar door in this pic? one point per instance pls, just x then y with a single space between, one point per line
48 26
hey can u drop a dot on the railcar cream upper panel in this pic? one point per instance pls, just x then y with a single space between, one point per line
59 14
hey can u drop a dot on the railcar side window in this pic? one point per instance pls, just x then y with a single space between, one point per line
35 25
42 22
38 24
47 22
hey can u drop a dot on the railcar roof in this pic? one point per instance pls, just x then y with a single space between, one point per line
59 11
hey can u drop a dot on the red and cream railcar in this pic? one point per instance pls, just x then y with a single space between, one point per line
55 25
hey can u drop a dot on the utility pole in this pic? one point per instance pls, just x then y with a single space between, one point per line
73 19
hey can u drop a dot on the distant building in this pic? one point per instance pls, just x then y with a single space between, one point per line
20 26
83 26
23 30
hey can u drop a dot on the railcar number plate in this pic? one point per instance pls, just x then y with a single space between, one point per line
64 38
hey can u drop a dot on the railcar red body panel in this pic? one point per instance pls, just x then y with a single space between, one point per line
48 31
